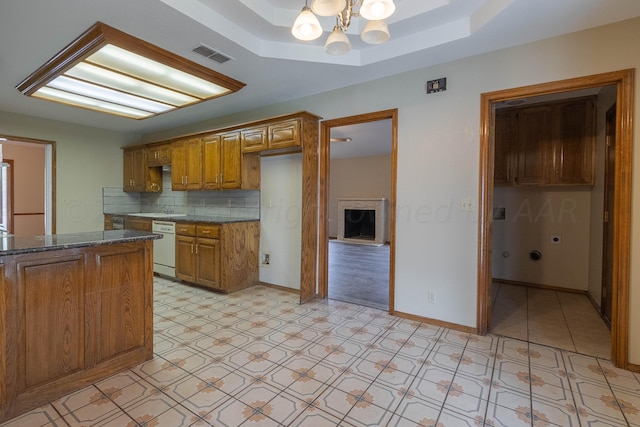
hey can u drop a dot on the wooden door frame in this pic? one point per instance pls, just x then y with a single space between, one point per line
51 145
624 82
323 244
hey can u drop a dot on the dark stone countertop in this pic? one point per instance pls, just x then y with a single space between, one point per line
190 218
17 245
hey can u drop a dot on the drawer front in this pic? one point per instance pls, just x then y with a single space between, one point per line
210 231
186 229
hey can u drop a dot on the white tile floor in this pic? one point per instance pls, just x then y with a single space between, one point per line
557 319
258 358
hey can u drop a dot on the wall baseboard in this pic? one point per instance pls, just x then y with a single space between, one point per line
539 286
454 326
280 288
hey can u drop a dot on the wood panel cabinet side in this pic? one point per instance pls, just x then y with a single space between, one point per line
239 245
250 168
310 200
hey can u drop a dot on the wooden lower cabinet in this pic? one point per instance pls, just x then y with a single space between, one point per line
70 317
140 224
223 257
208 261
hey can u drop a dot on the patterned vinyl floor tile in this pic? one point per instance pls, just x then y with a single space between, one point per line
258 358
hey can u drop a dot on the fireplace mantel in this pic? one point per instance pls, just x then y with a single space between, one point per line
379 205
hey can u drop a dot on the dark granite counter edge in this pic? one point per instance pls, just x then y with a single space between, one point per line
18 245
189 218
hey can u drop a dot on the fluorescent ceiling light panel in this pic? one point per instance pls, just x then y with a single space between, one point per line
109 71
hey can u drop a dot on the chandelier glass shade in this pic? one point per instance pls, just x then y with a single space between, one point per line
307 27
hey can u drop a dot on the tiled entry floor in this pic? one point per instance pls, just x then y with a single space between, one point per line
257 358
562 320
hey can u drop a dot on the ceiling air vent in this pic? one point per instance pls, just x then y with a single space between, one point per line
211 53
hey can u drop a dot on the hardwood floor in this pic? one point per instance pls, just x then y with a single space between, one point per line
359 274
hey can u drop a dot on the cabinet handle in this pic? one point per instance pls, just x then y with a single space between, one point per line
186 180
192 248
221 179
196 249
205 231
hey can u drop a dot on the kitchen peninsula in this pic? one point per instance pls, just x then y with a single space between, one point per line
73 308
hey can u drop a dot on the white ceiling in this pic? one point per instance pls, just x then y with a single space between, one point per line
256 33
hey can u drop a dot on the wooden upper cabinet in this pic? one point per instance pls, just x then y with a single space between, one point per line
134 169
158 154
230 161
533 145
211 162
574 149
186 164
276 136
284 134
222 161
505 135
254 139
545 144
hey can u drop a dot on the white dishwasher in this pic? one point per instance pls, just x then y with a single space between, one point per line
164 250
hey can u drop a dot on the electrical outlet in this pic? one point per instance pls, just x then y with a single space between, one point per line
431 297
466 205
265 259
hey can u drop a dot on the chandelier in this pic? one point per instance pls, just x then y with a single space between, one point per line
307 27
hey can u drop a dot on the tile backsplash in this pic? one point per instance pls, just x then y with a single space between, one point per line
222 203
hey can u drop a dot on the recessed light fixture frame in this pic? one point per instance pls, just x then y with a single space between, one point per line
152 81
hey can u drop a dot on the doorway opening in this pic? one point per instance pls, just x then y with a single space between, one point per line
623 82
31 209
371 283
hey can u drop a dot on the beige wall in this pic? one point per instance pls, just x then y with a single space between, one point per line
532 217
368 177
87 159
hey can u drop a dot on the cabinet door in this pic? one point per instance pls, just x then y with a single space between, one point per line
284 134
186 258
534 145
254 139
505 142
194 164
208 270
159 155
574 143
230 160
50 293
134 168
178 165
211 162
186 164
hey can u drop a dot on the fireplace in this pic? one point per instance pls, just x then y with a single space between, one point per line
362 221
